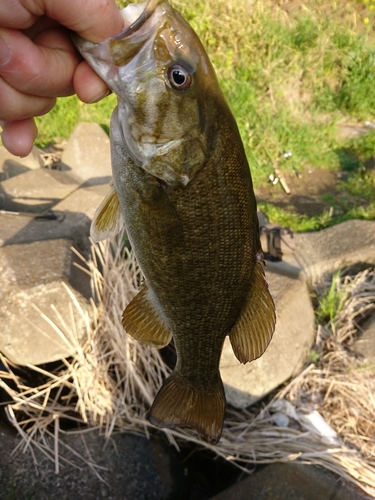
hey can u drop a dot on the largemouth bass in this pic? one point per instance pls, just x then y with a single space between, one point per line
183 188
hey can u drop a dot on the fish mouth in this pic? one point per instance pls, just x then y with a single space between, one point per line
117 51
124 46
136 25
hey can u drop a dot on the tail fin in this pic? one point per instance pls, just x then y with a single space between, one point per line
179 403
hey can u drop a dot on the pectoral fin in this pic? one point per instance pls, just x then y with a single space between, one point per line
254 329
108 219
142 321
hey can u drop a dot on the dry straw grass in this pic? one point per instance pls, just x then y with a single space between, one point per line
323 416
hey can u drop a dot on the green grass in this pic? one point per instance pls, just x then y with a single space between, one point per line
290 78
304 223
331 303
68 112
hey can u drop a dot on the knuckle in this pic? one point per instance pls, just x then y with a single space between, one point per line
15 105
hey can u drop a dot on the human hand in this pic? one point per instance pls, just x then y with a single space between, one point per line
38 61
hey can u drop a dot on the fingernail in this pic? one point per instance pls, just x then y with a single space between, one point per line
5 53
100 96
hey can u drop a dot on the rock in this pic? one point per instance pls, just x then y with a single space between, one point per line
288 350
35 255
351 243
85 162
34 274
365 344
70 218
84 200
132 467
11 165
74 226
10 226
262 219
87 155
36 191
292 481
78 211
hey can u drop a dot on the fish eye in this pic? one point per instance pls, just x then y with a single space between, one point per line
179 77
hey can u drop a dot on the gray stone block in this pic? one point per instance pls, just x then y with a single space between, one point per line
350 243
11 165
71 225
292 481
10 226
36 191
246 384
34 275
365 344
84 200
35 255
76 213
70 218
87 155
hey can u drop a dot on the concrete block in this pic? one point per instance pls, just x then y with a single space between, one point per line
34 275
351 243
87 155
11 165
70 218
84 200
292 481
36 191
365 344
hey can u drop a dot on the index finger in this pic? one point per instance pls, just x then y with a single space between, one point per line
95 20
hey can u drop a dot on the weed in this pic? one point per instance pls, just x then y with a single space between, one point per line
314 357
330 305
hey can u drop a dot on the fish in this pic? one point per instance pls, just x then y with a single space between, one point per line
183 189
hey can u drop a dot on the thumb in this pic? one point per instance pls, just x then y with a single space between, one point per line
95 20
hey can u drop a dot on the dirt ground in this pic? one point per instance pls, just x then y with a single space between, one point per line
314 190
307 191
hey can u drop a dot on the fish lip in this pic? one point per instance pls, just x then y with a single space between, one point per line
139 22
101 48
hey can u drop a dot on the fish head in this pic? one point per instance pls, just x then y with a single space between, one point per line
166 88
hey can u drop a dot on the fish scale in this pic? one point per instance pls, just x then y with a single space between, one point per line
183 188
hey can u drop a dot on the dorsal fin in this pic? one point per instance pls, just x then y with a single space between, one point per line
142 321
254 329
108 219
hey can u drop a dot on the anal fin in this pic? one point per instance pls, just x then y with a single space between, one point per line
253 331
179 403
142 321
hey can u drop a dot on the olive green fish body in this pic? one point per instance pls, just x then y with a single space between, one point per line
196 245
183 187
